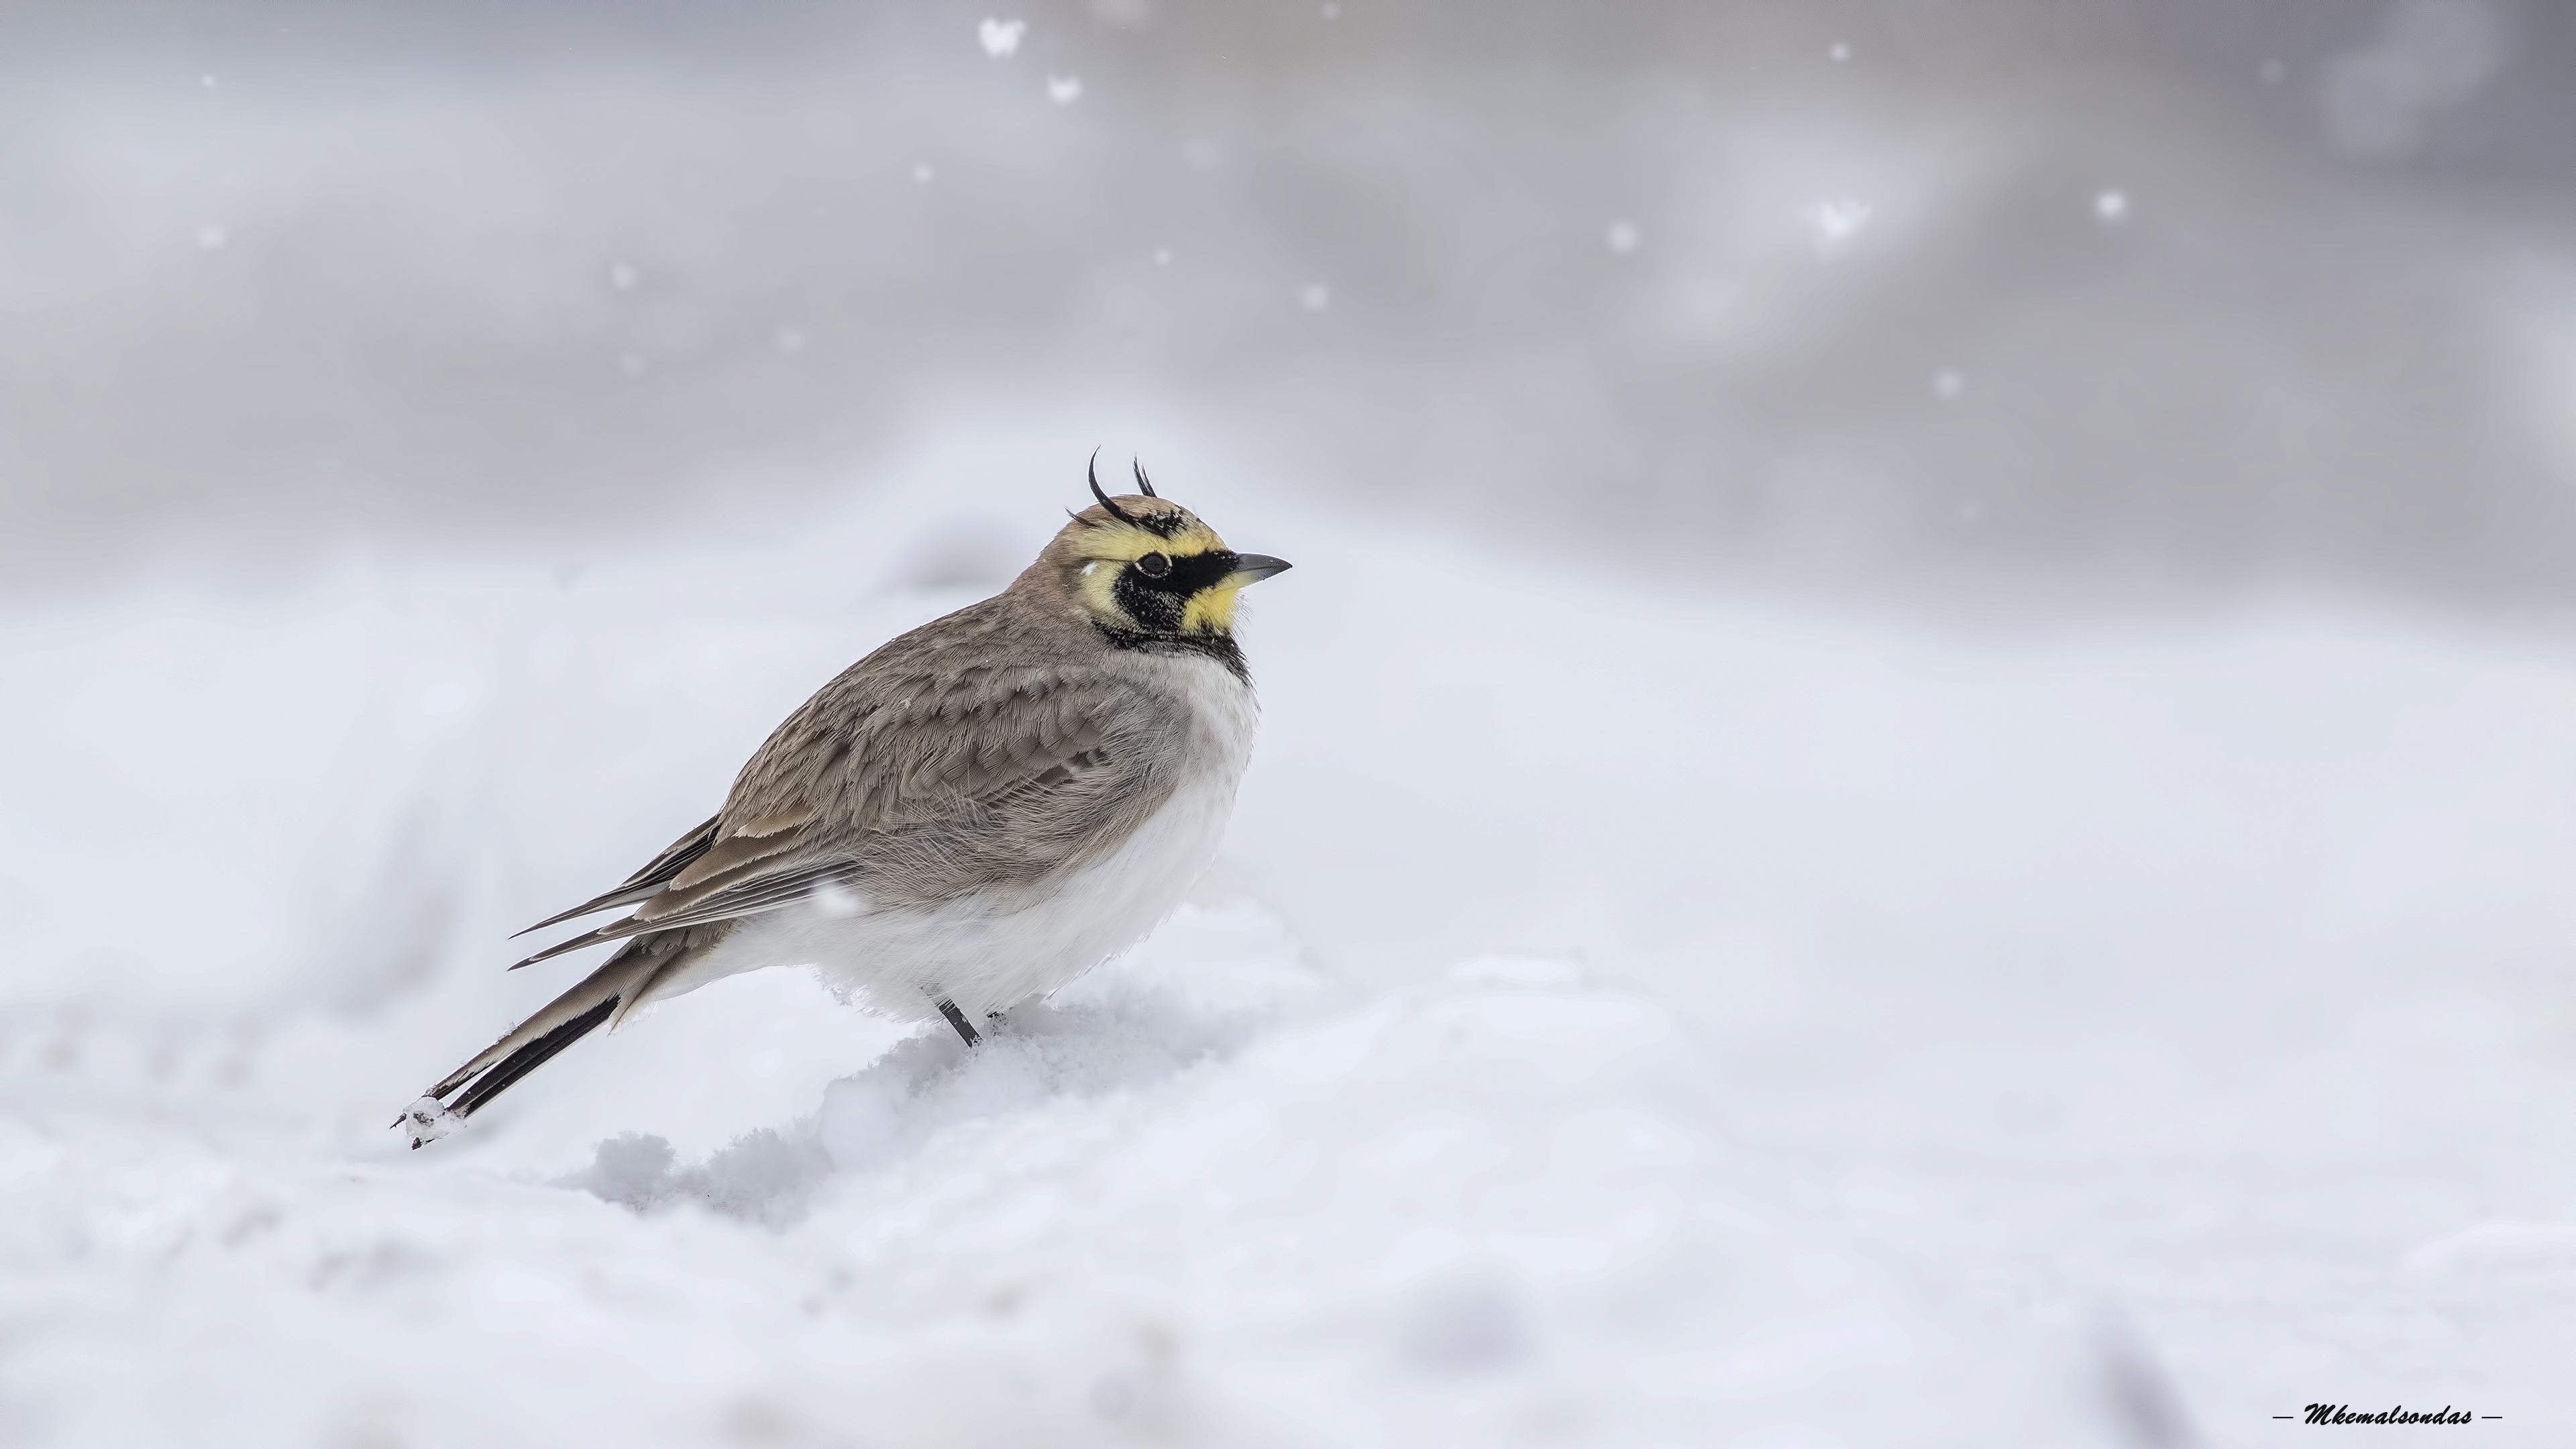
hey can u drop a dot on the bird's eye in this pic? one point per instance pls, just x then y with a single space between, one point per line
1154 565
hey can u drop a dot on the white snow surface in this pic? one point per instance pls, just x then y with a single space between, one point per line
1619 1016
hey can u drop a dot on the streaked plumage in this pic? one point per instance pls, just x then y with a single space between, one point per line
976 813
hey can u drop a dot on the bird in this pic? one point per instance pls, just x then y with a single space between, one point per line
973 815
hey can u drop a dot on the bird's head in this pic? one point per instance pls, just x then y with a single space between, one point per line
1141 565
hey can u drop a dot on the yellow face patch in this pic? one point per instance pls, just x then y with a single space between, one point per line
1115 542
1107 549
1211 610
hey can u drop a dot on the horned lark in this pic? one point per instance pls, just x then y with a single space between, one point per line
975 814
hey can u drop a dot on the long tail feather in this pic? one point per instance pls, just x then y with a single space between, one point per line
619 983
528 1058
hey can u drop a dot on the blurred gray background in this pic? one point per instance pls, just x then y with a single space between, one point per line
2058 303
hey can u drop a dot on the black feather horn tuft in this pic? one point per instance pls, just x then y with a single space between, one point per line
1116 512
1144 484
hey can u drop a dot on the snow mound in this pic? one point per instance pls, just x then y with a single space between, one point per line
931 1084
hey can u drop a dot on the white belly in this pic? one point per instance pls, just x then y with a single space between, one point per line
987 955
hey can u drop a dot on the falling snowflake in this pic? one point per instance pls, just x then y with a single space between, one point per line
922 173
1162 256
1064 90
1000 37
1623 237
624 277
1839 51
2111 205
212 237
790 340
1948 383
1834 225
1314 296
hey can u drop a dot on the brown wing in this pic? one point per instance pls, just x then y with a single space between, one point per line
647 882
905 784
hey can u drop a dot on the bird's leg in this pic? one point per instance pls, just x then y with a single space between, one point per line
957 1019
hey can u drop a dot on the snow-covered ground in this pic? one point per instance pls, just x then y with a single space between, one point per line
1621 1015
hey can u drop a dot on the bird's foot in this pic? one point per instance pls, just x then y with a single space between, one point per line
957 1019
